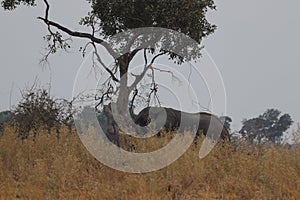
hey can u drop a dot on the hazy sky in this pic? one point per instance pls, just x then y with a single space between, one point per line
256 48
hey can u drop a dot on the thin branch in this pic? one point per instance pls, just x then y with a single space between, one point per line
163 70
155 57
129 45
106 94
47 9
154 89
168 71
106 68
114 54
203 107
83 49
145 57
93 26
94 68
10 95
132 54
135 93
138 78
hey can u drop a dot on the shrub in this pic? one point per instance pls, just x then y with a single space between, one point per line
37 109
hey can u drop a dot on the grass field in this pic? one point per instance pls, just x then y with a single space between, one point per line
50 169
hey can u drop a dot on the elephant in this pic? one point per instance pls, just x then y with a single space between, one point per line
173 118
206 122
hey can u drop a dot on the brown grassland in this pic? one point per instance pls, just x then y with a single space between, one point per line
50 169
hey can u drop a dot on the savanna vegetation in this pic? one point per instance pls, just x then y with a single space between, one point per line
48 168
42 157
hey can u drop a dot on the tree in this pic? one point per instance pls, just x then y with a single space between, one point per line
4 116
268 126
110 17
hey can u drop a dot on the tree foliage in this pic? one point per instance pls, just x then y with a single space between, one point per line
12 4
268 126
185 16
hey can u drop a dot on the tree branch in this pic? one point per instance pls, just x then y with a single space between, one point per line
145 57
103 65
155 57
47 9
133 53
154 89
114 54
102 98
138 78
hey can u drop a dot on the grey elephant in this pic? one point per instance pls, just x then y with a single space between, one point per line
205 122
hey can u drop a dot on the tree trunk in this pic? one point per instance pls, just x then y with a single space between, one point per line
122 101
115 121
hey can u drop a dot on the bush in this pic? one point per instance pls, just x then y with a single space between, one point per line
37 109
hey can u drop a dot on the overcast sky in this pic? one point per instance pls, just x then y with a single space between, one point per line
256 48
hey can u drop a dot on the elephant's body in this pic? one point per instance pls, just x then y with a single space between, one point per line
176 119
207 123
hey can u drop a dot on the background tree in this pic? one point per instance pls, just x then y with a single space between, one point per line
4 118
268 126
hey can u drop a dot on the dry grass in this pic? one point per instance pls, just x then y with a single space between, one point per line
48 169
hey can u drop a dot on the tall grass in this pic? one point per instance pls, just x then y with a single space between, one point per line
47 168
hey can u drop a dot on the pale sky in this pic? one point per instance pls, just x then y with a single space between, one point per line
256 48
